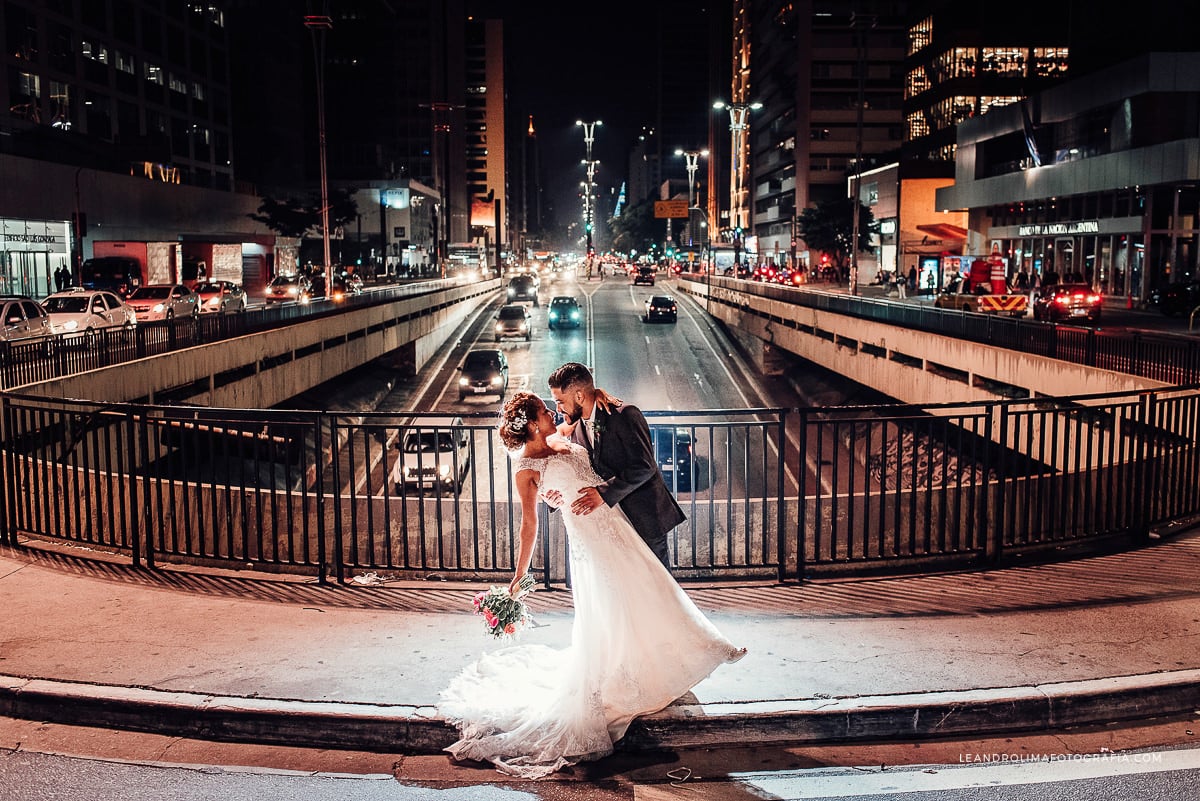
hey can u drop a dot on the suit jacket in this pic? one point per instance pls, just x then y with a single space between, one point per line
623 456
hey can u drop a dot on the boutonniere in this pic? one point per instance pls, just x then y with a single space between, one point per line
597 430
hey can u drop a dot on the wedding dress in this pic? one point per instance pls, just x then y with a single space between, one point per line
637 643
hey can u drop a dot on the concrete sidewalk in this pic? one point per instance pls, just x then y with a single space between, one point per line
275 660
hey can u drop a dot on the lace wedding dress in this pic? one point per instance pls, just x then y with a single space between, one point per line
638 643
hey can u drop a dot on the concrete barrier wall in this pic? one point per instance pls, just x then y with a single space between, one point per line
260 370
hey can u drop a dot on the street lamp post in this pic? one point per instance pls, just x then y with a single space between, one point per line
739 116
317 24
693 163
589 136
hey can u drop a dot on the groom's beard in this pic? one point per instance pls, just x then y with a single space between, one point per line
573 417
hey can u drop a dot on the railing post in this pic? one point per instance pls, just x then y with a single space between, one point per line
781 507
319 488
7 488
993 545
801 499
1146 452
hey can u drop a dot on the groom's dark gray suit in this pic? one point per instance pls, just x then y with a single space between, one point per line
623 456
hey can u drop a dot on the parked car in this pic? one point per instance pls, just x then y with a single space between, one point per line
164 302
484 372
284 288
23 319
434 452
514 320
1179 298
523 288
643 275
1067 302
117 274
660 307
221 297
673 451
564 311
80 312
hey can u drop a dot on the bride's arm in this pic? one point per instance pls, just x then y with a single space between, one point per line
527 490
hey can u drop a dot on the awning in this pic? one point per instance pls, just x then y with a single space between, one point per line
944 231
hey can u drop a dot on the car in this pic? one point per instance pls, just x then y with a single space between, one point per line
81 312
484 372
344 285
514 320
284 288
1067 302
23 319
1181 297
523 288
221 297
660 307
673 451
564 312
317 288
164 302
117 274
434 452
643 275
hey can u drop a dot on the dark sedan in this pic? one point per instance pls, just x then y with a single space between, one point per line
1179 298
660 307
1067 302
673 451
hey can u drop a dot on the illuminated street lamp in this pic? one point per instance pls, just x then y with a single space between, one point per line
693 159
739 163
590 164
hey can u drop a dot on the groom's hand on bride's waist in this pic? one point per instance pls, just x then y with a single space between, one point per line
587 501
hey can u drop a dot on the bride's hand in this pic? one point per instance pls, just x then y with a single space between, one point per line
553 498
514 586
606 401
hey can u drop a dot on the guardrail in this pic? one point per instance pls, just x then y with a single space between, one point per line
29 361
778 493
1172 360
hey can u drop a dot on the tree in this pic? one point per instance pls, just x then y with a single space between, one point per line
828 228
297 216
636 228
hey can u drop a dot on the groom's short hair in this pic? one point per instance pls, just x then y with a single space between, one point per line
571 375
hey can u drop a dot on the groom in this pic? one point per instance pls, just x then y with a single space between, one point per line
618 441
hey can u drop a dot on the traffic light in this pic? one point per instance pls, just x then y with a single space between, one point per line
588 228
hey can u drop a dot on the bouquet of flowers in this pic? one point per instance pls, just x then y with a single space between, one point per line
504 615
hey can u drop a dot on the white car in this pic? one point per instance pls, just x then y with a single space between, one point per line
164 302
221 297
434 452
78 311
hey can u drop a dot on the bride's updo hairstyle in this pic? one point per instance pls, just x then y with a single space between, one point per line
516 418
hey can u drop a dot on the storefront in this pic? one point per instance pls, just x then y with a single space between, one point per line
31 252
1108 254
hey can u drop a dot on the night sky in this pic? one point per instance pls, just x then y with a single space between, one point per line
570 61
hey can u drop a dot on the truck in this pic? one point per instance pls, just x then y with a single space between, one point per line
983 288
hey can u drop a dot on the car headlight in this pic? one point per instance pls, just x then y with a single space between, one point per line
443 470
499 328
70 325
293 290
512 292
553 316
497 381
462 382
159 308
213 302
522 328
574 315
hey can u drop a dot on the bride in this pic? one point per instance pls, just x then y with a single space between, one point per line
637 643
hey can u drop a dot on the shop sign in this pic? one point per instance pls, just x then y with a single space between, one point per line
1060 229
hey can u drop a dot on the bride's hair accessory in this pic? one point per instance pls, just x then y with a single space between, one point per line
518 421
514 428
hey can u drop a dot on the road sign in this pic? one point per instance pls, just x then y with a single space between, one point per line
670 209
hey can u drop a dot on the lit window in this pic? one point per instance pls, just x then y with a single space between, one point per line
153 73
94 52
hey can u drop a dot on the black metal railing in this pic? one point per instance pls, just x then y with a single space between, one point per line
778 493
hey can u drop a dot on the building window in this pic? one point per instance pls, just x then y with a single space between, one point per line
60 105
124 62
989 102
1050 62
153 73
197 90
176 85
94 52
920 35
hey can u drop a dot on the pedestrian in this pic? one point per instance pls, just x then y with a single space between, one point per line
58 279
912 279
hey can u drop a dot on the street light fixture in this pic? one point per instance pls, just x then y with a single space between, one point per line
589 136
317 24
739 115
693 159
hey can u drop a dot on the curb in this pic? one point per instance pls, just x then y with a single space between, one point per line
418 730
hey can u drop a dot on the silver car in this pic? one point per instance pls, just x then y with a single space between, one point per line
22 319
79 311
164 302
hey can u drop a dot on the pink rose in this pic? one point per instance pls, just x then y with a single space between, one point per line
479 600
510 628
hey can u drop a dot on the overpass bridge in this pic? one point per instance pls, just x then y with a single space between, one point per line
1000 446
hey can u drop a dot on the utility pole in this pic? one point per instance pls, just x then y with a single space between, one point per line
317 24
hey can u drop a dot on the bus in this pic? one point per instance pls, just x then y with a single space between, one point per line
466 260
